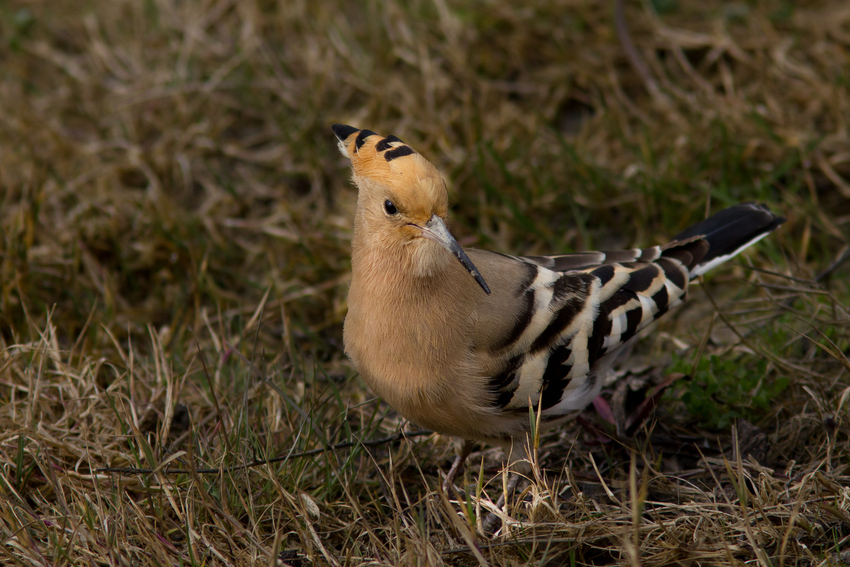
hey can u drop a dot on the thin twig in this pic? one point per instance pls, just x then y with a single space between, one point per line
631 51
834 266
258 462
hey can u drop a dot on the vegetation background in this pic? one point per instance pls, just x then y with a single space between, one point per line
175 224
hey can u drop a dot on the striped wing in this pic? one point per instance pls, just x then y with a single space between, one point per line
581 309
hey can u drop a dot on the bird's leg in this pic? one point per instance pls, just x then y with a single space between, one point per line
492 522
517 466
457 465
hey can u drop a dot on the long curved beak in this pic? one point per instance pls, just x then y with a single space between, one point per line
435 229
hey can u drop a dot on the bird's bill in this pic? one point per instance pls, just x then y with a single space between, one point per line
436 230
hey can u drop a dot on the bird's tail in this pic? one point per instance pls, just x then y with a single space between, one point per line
727 233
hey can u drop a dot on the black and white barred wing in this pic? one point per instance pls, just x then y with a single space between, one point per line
580 309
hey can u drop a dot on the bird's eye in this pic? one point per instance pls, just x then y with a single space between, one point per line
390 208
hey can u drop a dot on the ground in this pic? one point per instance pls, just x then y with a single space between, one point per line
176 226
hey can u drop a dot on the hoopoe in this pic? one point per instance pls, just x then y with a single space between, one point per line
465 341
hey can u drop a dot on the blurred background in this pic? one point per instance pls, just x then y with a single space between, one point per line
163 158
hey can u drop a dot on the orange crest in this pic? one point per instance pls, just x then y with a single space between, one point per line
389 162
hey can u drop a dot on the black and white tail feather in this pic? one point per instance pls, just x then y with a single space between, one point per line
729 232
587 306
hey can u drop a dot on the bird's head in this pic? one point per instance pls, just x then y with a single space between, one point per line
402 198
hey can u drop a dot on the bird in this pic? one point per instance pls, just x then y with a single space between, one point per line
465 341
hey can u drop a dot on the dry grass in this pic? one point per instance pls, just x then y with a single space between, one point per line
172 197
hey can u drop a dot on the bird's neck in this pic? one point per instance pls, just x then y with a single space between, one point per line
384 264
419 320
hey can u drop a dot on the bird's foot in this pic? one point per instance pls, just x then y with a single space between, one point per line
492 522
